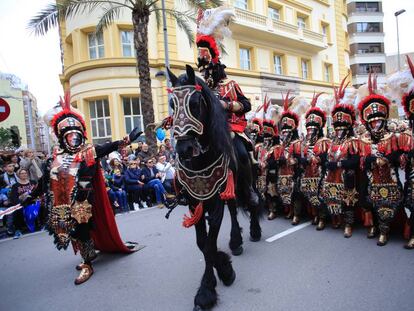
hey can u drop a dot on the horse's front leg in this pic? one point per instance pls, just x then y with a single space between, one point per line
255 229
206 296
236 239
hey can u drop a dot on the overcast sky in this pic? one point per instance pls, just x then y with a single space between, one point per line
36 60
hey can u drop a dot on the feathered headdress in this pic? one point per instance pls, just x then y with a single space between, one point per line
343 113
64 117
374 106
315 116
408 97
289 118
212 27
269 125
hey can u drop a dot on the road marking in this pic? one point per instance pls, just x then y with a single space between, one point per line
287 232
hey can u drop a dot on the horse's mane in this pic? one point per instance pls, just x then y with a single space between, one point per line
217 128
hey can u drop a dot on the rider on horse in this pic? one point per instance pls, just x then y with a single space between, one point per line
228 91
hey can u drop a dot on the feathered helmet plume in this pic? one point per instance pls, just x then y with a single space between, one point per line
343 114
289 119
315 116
212 27
408 97
64 118
374 106
269 125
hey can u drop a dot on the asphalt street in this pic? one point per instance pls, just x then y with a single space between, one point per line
302 270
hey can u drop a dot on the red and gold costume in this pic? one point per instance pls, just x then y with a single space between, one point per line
379 153
406 145
338 186
79 209
282 161
311 169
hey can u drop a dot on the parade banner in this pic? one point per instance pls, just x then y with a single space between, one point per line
10 210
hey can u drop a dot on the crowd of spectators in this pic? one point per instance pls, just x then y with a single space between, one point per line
135 180
141 178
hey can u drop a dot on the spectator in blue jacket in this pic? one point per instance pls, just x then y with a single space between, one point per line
134 184
152 180
118 187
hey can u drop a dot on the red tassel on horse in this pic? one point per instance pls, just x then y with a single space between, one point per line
194 217
229 193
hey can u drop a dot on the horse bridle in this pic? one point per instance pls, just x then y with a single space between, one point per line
183 119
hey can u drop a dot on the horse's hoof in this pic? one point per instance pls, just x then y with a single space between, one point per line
255 239
205 299
230 280
237 251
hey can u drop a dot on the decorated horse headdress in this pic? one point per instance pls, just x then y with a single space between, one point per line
374 106
212 27
315 116
343 113
289 119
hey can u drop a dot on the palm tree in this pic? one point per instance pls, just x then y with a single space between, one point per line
141 10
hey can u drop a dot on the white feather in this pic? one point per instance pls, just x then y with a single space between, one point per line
215 22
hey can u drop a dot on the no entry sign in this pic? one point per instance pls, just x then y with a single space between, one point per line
4 110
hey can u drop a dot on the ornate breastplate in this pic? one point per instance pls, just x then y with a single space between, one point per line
63 175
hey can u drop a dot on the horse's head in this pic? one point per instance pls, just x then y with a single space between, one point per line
199 120
190 113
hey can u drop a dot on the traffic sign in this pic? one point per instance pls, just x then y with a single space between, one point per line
4 110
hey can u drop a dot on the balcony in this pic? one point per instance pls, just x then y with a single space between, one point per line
262 28
358 79
361 58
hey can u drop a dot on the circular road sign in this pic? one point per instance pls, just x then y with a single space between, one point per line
4 110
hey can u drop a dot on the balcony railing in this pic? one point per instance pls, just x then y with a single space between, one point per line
289 31
251 17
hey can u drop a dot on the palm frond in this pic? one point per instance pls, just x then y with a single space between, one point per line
184 21
202 4
46 19
108 17
157 13
75 7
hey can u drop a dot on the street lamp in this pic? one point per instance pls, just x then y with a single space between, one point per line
163 75
398 38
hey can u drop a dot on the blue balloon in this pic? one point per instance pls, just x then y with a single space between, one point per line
160 133
30 214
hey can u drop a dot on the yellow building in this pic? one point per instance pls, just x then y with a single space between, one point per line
11 92
276 45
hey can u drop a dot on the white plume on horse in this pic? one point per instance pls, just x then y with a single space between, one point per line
215 22
399 83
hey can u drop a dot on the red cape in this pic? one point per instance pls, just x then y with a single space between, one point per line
105 233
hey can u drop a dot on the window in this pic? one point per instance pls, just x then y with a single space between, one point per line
127 41
367 6
368 27
241 4
364 48
245 60
370 68
278 64
302 21
132 113
96 45
305 68
100 120
324 30
327 72
274 13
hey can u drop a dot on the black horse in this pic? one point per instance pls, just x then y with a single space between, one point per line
206 165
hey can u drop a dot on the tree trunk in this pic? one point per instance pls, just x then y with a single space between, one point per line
140 22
